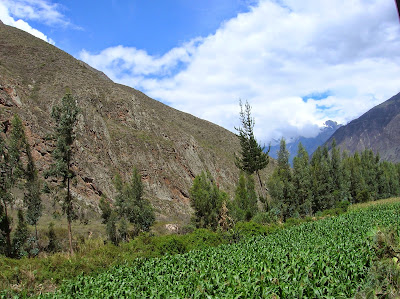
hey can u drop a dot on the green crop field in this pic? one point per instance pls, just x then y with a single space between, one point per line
328 258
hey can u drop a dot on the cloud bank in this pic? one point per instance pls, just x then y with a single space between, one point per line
16 13
274 56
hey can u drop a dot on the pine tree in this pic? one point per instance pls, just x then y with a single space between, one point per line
11 171
285 175
369 171
253 158
322 180
358 189
65 117
388 180
32 198
302 181
346 177
336 173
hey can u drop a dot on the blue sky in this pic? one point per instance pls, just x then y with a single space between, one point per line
298 63
156 25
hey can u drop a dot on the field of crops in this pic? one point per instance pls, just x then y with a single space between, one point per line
326 258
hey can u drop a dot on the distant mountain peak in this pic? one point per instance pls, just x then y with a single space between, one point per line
378 129
310 143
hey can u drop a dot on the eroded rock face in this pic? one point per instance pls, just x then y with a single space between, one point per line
9 96
119 128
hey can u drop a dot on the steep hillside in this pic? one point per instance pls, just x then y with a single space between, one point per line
119 127
378 129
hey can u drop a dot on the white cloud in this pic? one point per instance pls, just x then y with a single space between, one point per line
37 10
7 19
273 55
17 13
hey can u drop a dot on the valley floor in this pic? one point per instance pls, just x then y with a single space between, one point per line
329 257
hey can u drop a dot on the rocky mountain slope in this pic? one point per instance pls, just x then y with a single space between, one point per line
119 127
377 129
309 143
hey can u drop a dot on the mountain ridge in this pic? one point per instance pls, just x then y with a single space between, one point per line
377 129
119 127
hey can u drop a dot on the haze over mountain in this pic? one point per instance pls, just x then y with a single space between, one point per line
309 143
119 128
377 129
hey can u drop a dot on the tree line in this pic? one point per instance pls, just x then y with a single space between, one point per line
329 179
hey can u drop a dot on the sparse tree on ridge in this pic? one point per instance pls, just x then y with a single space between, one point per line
252 158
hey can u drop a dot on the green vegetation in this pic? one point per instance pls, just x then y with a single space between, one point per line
32 199
65 117
252 158
13 172
130 207
207 201
244 206
330 181
326 258
383 280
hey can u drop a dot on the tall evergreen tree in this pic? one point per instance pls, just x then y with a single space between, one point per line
11 171
388 180
322 180
65 116
336 172
302 181
369 171
32 198
280 184
346 176
358 189
252 158
285 175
